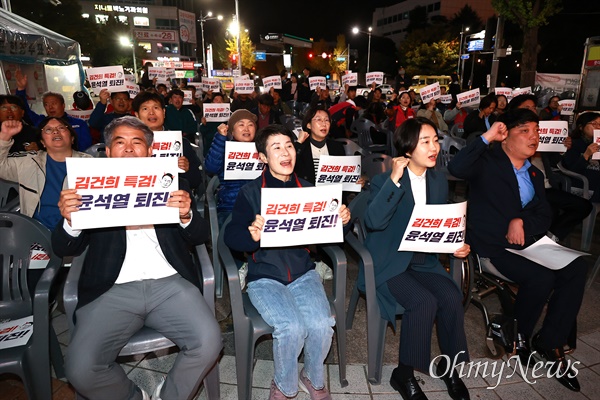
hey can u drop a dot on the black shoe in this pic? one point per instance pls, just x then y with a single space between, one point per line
523 350
456 387
408 389
561 369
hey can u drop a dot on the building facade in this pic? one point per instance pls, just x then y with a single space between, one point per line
166 29
392 21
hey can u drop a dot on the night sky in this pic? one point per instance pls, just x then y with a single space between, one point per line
306 18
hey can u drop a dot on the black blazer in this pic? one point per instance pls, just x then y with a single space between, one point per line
107 248
305 167
494 198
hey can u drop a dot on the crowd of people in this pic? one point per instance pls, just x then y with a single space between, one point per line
511 205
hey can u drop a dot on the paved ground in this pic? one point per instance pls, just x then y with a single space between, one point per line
147 370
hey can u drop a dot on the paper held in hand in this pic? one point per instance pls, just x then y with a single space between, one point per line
301 216
123 191
435 228
549 254
339 169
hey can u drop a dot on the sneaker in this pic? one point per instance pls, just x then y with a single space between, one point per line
156 394
315 394
243 272
275 393
324 271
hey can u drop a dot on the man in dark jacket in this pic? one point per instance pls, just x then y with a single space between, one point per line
100 118
134 276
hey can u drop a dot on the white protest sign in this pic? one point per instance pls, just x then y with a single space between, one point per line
552 136
339 169
245 76
38 258
374 77
110 78
216 112
16 332
133 89
198 86
435 228
241 161
468 98
506 91
430 92
187 97
272 82
212 84
446 98
123 191
81 114
596 155
300 216
548 253
162 75
167 144
568 107
350 79
317 82
525 90
244 86
129 78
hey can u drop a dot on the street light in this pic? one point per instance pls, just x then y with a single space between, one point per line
203 19
355 30
239 44
461 60
126 42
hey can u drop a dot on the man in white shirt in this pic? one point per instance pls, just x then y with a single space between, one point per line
134 276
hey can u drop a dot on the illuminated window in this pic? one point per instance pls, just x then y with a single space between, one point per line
146 46
101 18
85 15
141 21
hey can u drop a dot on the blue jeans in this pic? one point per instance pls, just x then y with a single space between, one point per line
301 317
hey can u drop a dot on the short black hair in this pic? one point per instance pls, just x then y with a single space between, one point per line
11 99
582 121
518 116
143 97
406 137
520 99
114 94
310 114
266 99
177 92
487 101
270 130
63 120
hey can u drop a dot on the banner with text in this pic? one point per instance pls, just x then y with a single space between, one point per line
525 90
350 79
374 77
568 107
317 82
110 78
167 144
187 26
301 216
272 82
162 75
339 169
216 112
446 98
123 191
468 98
81 114
16 332
244 86
213 84
241 161
435 228
506 91
553 135
187 97
430 92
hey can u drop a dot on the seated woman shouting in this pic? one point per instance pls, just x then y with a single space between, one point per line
416 281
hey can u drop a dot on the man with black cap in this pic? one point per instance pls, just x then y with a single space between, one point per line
179 118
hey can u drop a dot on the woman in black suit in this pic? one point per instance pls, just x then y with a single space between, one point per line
313 143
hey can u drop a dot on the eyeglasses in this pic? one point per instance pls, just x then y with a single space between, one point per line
595 124
11 108
49 130
322 120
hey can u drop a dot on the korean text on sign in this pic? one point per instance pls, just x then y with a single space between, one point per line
339 169
167 144
435 228
16 332
468 98
123 191
553 135
301 216
272 82
374 77
110 78
350 79
244 86
430 92
241 161
317 82
216 112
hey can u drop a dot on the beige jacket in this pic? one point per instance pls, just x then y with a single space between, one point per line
29 170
